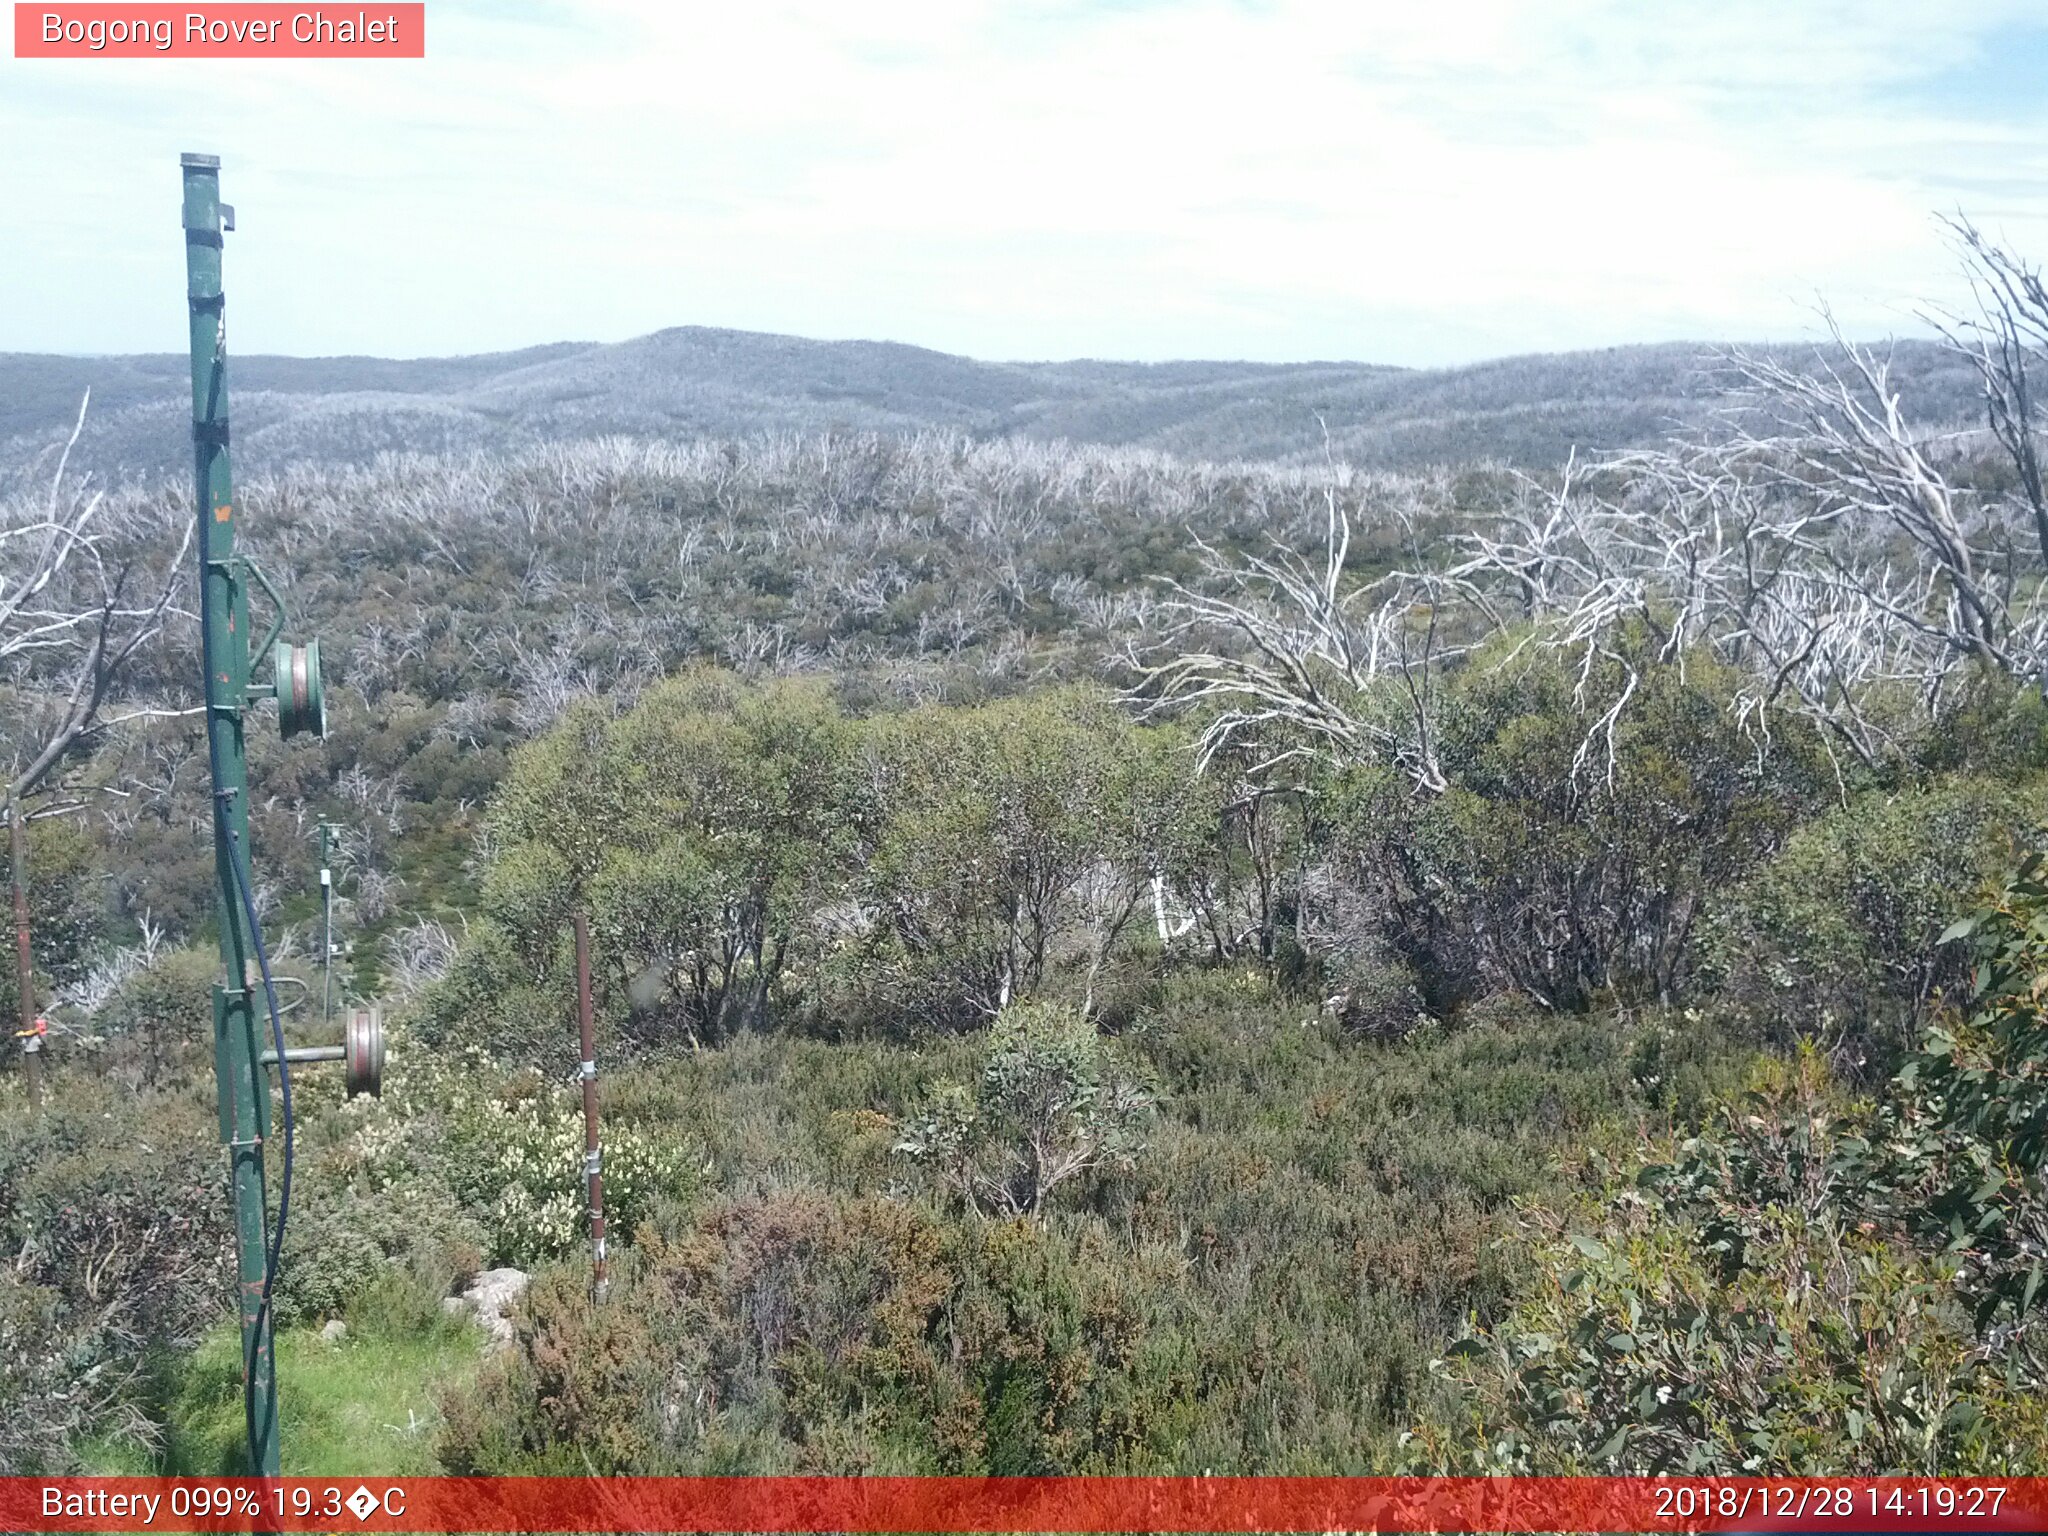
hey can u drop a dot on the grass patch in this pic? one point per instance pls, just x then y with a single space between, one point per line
103 1456
368 1405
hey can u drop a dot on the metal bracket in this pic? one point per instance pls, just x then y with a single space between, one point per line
277 623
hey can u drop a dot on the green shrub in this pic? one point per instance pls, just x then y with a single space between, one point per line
707 831
1812 1286
750 854
159 1014
56 1372
350 1241
110 1204
1836 938
1732 1312
1996 727
1017 839
753 1340
1054 1100
106 1197
1965 1151
68 914
1374 994
1566 860
492 1002
575 1394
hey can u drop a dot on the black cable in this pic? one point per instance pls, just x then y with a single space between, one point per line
284 1084
222 816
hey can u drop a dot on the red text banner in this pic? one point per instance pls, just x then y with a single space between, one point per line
233 31
1090 1504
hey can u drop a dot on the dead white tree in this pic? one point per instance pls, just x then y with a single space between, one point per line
1843 451
419 954
2006 340
86 583
1741 548
1274 644
1815 540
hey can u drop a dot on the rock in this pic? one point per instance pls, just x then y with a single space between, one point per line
496 1289
488 1298
335 1331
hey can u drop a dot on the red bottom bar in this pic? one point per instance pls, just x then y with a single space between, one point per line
1027 1504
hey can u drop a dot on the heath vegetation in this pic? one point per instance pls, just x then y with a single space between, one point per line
1103 961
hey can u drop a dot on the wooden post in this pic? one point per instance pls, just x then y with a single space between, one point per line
24 967
593 1150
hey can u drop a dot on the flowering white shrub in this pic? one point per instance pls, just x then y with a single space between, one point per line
380 1151
519 1166
510 1150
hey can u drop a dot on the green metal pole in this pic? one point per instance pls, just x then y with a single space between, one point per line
244 1093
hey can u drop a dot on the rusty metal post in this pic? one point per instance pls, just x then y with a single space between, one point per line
593 1147
24 966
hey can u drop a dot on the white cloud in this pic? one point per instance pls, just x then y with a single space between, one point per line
1284 179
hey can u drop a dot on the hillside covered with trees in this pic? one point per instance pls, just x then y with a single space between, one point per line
1106 960
695 382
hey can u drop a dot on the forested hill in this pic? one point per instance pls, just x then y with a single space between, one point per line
694 381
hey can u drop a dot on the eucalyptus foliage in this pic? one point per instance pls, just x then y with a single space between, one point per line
1813 1284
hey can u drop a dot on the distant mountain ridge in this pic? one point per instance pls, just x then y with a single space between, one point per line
694 381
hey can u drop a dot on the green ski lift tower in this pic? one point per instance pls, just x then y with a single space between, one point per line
248 1035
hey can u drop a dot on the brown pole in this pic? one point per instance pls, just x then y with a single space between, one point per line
24 967
593 1153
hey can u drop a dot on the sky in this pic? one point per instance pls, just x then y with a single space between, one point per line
1415 183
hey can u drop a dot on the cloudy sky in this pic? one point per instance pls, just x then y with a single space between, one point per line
1276 179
